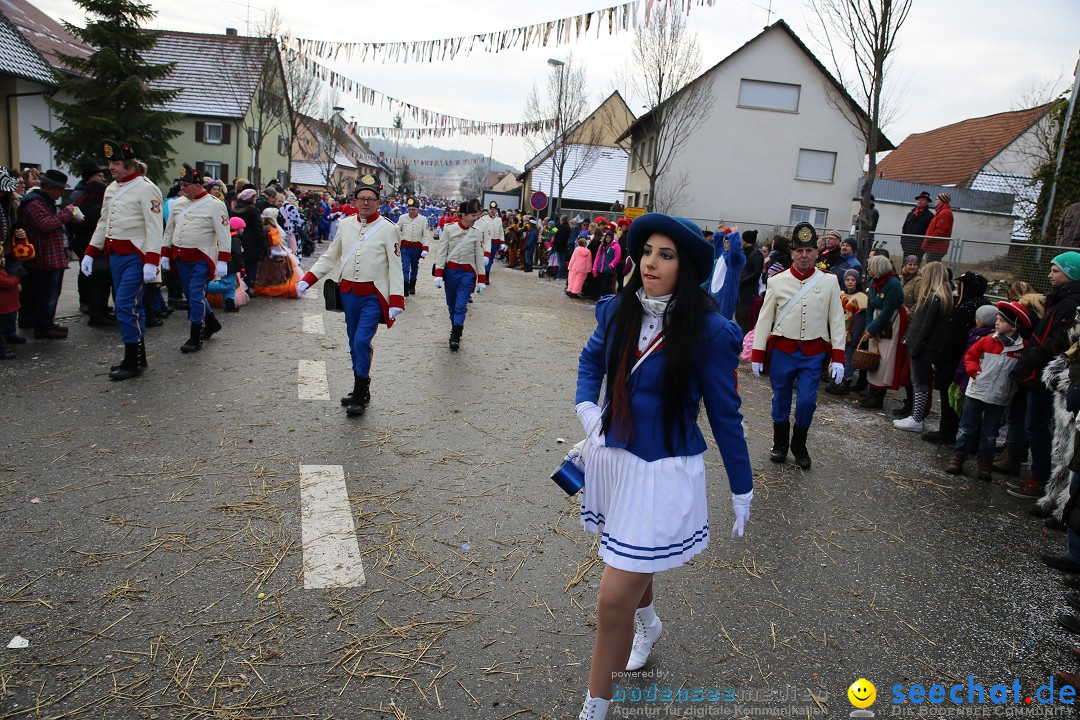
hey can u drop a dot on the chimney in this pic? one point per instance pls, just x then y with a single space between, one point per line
230 31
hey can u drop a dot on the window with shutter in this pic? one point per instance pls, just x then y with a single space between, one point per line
214 133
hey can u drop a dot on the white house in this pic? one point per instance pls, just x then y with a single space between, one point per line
779 146
997 154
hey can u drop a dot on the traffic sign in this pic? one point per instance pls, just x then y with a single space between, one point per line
634 212
538 200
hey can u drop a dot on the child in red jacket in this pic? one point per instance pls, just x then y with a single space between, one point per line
9 308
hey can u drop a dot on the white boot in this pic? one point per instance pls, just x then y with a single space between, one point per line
594 708
647 630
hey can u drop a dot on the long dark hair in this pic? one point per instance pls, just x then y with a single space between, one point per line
683 321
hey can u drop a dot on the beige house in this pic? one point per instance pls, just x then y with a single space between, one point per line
328 158
594 162
237 120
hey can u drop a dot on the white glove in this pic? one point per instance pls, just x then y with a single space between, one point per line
480 287
758 368
438 283
395 311
165 264
221 269
741 505
591 419
149 273
87 265
423 253
837 370
77 213
301 288
277 251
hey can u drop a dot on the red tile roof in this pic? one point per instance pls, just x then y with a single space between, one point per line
954 154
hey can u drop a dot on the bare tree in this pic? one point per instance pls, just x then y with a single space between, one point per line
664 63
573 144
670 193
473 183
861 36
329 146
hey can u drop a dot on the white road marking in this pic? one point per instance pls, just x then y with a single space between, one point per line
314 293
312 380
331 551
313 325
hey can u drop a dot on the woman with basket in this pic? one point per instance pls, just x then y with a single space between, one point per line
886 324
663 349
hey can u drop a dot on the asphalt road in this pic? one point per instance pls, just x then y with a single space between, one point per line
151 548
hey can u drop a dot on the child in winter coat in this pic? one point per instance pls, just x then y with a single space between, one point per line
9 309
579 267
989 362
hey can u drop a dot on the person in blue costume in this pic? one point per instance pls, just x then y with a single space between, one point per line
728 263
664 350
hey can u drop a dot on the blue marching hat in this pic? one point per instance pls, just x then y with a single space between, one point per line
684 233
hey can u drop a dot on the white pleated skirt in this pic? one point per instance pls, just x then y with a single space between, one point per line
650 516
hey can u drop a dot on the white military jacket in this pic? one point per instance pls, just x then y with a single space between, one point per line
461 249
818 315
130 220
415 232
200 225
365 258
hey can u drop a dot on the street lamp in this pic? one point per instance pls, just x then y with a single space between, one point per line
555 63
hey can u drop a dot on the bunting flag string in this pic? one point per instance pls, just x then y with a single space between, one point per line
434 124
563 31
404 161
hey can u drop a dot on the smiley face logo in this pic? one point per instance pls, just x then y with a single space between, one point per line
862 693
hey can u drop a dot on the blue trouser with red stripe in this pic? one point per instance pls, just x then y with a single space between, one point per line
127 275
795 371
458 285
410 261
194 277
362 315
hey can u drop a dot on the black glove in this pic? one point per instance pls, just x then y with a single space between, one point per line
1072 399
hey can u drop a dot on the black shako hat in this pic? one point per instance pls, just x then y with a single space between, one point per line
368 182
469 207
684 233
493 205
411 203
118 150
191 175
803 235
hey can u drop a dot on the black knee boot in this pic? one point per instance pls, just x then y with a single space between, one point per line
360 396
212 325
798 447
129 366
780 433
455 336
194 341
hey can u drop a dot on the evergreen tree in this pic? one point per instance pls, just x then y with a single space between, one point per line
1068 179
110 89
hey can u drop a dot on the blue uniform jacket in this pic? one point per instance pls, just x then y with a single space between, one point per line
715 382
735 260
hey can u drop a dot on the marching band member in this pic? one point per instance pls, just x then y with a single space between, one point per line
197 238
414 243
365 260
458 264
129 232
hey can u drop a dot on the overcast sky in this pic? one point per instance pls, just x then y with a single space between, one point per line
957 59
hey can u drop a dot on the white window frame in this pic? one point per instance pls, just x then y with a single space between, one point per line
220 127
817 217
813 157
212 169
747 86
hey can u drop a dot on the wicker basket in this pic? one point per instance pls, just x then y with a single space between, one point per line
864 358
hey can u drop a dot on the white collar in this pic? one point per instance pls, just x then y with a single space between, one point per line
653 306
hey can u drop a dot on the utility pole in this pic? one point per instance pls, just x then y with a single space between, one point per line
558 130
